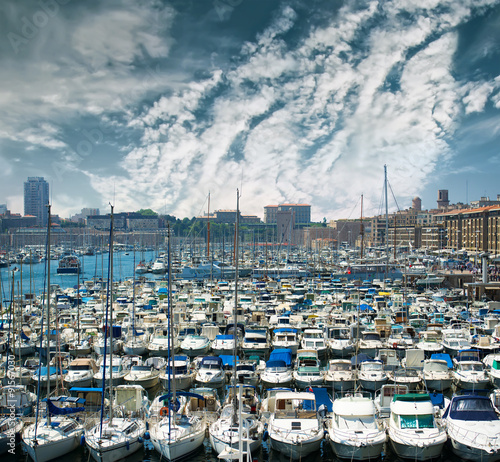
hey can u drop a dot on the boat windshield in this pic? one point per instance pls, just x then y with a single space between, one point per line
355 422
416 421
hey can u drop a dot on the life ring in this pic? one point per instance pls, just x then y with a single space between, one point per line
164 411
395 345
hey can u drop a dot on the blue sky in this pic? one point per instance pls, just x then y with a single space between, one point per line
154 104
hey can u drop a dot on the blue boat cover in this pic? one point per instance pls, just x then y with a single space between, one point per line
285 329
437 399
281 354
224 360
54 410
276 363
471 408
224 337
444 356
322 398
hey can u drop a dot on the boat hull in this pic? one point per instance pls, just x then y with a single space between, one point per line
295 451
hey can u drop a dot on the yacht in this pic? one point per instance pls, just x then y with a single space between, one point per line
195 345
285 337
210 373
438 374
278 370
80 373
372 375
339 375
294 428
354 432
473 428
413 431
471 375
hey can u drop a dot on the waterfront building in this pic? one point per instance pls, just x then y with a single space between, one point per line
36 199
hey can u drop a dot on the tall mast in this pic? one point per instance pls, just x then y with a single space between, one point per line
48 312
110 292
386 220
208 228
173 399
235 312
362 229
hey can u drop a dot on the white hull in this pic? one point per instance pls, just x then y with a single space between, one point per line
296 451
46 448
419 450
150 382
114 453
179 447
181 383
356 452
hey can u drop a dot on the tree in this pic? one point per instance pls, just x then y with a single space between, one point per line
147 213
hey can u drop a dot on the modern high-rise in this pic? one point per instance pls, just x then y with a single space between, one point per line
36 199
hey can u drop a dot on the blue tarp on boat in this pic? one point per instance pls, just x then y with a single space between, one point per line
281 354
322 398
227 360
446 357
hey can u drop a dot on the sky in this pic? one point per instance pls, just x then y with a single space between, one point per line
159 104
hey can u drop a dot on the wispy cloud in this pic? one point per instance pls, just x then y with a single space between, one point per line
305 112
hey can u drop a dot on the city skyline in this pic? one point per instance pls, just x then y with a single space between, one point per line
289 101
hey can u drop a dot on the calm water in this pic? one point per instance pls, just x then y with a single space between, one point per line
92 266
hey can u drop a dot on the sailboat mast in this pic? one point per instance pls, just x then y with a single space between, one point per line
208 229
48 312
362 229
171 329
386 220
235 312
110 292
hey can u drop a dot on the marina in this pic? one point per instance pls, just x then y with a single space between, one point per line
333 345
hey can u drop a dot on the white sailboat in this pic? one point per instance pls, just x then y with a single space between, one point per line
116 437
173 434
51 436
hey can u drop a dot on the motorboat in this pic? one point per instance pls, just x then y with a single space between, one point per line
384 396
210 373
255 342
118 372
370 343
437 374
314 339
473 428
471 375
371 375
80 372
144 375
223 344
294 428
338 341
159 342
410 377
278 369
413 431
285 337
195 345
308 371
339 375
353 430
182 374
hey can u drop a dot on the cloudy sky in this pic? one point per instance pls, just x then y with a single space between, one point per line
154 104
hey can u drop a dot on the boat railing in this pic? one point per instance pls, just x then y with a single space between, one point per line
471 437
